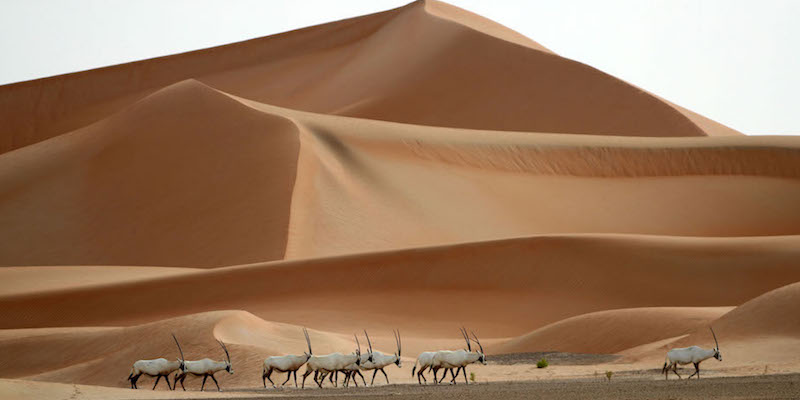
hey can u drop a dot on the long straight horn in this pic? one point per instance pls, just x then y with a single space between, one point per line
477 341
466 338
357 344
715 337
308 341
399 343
179 346
368 341
225 349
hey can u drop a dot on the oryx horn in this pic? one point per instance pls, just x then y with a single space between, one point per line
225 349
368 341
357 344
466 338
715 337
477 341
179 346
399 343
308 341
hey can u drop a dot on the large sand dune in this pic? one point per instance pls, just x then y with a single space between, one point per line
422 168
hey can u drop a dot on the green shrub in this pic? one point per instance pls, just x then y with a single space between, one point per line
542 363
609 374
472 376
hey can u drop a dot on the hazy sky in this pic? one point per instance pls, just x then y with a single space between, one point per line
734 61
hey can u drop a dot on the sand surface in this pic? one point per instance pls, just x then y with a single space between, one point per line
418 169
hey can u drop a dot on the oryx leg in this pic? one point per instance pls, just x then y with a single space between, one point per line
204 382
435 380
288 376
419 374
305 375
385 376
267 377
453 379
696 371
295 378
158 378
182 378
316 378
675 370
215 382
361 375
133 381
374 372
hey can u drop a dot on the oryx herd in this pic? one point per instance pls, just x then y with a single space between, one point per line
350 365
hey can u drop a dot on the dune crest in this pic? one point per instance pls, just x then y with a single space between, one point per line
415 64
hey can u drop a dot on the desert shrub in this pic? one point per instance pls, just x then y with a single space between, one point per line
542 363
472 376
609 374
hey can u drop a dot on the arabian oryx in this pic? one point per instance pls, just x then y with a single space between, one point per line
458 359
158 368
425 361
289 363
690 355
205 368
330 363
380 360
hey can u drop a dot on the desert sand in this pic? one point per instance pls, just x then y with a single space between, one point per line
417 169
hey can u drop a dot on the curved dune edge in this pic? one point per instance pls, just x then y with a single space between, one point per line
480 24
343 67
202 178
21 280
496 283
612 331
187 173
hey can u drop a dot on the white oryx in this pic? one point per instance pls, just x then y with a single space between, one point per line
690 355
158 368
458 359
380 360
289 363
425 361
205 368
331 363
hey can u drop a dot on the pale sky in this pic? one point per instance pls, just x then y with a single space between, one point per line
734 61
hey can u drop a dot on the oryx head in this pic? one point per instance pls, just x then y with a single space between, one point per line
228 366
182 362
369 355
308 341
717 354
399 347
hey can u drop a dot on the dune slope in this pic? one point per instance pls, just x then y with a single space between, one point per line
190 175
417 64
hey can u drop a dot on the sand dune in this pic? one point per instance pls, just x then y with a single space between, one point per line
203 179
414 64
500 288
418 169
613 331
192 176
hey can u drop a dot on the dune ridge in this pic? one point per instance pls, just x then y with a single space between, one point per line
303 69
